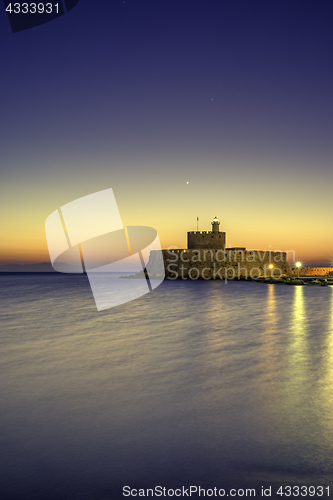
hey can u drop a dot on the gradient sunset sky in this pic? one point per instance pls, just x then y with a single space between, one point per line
232 97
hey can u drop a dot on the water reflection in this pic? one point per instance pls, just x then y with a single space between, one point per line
271 305
200 380
298 311
269 352
297 380
327 381
298 340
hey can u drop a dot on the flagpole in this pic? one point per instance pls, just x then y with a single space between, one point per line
197 223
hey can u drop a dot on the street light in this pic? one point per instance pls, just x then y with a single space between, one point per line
298 265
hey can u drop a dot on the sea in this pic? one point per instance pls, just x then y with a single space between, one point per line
197 389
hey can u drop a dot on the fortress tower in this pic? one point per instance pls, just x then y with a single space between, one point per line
213 239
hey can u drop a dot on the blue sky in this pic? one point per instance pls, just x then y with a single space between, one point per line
234 97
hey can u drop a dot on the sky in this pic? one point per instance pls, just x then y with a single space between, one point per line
185 108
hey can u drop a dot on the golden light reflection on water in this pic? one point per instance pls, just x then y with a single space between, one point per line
327 382
298 312
296 369
308 387
298 341
271 307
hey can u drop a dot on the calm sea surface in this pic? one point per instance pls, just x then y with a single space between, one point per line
196 384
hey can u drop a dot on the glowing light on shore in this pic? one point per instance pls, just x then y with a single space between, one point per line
298 266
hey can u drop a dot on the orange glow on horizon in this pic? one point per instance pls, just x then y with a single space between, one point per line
257 223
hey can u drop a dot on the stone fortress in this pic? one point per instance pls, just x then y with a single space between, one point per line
207 257
213 239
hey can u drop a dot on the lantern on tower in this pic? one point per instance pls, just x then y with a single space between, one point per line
215 225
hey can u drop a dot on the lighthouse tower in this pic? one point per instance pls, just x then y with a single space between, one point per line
215 225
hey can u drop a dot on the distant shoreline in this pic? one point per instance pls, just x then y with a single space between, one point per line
41 268
46 268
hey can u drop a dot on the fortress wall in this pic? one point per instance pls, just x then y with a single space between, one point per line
205 239
216 264
314 271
